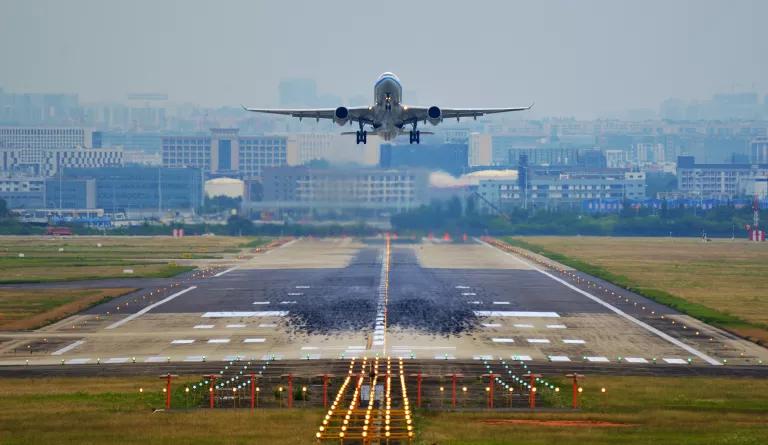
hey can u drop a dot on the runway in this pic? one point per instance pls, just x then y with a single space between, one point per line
320 299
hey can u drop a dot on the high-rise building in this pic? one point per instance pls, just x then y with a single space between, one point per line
480 150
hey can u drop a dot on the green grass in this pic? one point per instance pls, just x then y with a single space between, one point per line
81 258
104 410
700 311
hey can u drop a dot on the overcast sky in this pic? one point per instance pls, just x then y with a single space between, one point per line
581 58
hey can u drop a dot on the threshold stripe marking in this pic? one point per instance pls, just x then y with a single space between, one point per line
636 360
68 347
226 271
516 314
614 309
559 358
149 308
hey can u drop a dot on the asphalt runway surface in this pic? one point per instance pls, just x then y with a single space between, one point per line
315 301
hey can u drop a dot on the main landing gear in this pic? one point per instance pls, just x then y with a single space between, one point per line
362 137
415 135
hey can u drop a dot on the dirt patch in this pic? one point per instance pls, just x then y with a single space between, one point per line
557 423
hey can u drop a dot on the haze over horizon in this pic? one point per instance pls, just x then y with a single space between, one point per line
581 59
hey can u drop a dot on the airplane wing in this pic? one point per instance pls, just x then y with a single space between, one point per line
355 113
420 113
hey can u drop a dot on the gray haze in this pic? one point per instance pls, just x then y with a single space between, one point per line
581 58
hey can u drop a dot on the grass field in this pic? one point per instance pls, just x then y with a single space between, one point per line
641 410
82 258
722 282
29 309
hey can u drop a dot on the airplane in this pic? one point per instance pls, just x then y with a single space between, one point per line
388 116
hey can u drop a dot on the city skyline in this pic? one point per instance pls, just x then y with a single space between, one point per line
555 54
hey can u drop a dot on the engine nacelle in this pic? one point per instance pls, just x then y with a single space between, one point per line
434 115
341 115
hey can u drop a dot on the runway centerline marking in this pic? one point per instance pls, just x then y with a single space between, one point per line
182 342
68 348
203 326
149 308
614 309
235 314
573 341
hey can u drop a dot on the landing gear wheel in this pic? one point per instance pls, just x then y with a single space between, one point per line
414 137
365 137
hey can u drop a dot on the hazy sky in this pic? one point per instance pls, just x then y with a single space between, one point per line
571 57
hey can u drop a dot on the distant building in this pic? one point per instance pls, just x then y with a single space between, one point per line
615 158
70 193
544 156
561 191
225 152
303 191
142 189
45 138
716 180
592 159
22 192
451 158
480 150
758 149
48 162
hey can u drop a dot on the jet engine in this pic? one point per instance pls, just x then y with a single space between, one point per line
341 116
434 115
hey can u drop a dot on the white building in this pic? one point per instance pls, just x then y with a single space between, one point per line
717 180
616 158
22 191
758 148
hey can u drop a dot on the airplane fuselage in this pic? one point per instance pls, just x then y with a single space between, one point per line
388 108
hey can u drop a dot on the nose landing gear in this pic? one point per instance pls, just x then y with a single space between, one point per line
415 135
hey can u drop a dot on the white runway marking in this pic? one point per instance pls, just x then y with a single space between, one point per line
482 357
503 340
156 359
182 342
462 287
194 358
445 357
288 302
538 340
235 314
267 325
573 341
522 358
475 302
203 326
77 361
636 360
302 287
68 348
675 361
231 358
117 360
309 348
614 309
556 326
225 271
522 325
469 294
355 347
254 340
261 302
295 294
235 326
492 325
598 359
559 358
218 340
501 302
149 308
516 314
